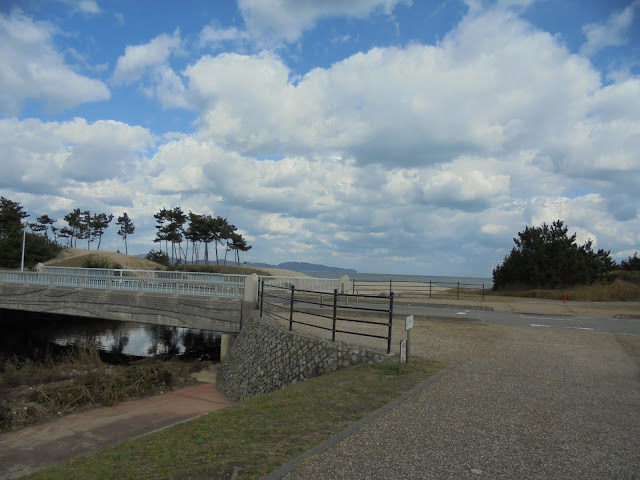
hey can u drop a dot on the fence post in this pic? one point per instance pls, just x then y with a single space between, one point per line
354 287
458 292
293 289
429 288
335 311
390 321
483 292
261 296
390 287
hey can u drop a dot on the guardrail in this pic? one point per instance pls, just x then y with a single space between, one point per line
216 289
285 299
430 289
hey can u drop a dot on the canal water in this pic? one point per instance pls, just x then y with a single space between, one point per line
29 335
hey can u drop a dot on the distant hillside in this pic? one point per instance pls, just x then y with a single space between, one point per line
304 267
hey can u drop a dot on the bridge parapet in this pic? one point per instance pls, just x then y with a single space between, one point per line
301 283
200 288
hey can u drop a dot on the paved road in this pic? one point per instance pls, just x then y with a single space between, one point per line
570 322
621 323
521 403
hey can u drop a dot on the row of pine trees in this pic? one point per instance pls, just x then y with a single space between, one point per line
181 234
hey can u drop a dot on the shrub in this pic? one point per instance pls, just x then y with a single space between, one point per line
158 256
96 261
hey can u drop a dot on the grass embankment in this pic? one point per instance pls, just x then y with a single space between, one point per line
257 435
35 392
625 288
77 257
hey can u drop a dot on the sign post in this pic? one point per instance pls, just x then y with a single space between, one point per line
403 354
408 327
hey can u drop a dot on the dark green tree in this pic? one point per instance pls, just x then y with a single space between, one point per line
38 248
238 244
126 228
162 218
74 220
220 231
170 226
631 264
547 257
67 232
195 234
97 226
11 224
42 224
228 232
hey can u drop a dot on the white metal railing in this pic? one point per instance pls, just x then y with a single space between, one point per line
159 281
125 272
217 288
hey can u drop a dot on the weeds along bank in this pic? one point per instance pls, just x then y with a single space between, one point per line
35 392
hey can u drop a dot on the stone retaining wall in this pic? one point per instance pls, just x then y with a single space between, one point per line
266 356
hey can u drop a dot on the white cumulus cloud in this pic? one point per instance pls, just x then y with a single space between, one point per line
612 33
288 19
139 59
32 68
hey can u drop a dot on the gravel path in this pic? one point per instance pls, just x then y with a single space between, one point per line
520 404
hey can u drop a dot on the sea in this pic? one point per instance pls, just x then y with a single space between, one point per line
385 277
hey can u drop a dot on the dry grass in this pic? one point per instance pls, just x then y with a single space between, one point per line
618 291
76 257
34 392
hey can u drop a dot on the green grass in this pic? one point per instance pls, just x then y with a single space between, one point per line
258 435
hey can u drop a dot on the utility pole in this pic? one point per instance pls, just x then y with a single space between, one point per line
24 235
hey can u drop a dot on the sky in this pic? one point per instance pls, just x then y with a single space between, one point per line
388 136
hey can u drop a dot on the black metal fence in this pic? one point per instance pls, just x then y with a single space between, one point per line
293 305
430 289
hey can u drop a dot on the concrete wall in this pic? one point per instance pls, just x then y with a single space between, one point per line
266 356
180 311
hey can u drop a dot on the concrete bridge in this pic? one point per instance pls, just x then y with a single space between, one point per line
209 305
206 301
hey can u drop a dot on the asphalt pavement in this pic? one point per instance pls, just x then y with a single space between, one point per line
626 325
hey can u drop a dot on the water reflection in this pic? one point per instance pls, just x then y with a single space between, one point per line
24 333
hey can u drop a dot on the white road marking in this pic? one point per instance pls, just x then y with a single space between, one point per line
462 313
535 317
579 328
537 325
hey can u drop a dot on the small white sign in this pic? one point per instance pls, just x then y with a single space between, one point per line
409 322
403 351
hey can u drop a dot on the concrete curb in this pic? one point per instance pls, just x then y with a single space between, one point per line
291 465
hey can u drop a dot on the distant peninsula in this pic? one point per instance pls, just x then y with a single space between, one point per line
304 267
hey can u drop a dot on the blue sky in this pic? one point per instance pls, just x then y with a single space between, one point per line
389 136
